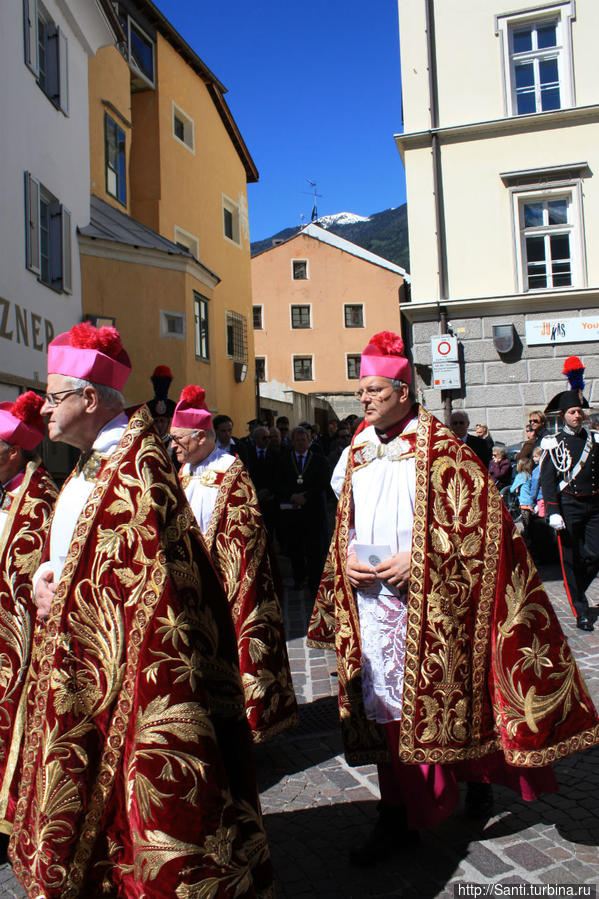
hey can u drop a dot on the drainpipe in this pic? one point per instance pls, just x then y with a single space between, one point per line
437 177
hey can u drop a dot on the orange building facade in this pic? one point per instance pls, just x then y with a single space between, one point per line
166 153
317 298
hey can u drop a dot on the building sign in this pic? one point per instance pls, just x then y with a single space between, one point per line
446 367
444 348
562 330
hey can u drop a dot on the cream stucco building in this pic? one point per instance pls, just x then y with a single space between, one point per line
501 152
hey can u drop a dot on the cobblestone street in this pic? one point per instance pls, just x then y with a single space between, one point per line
315 806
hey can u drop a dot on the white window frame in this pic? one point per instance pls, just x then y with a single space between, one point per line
306 263
291 307
575 229
354 327
232 207
189 241
200 300
132 64
347 377
265 358
165 315
259 306
302 356
188 128
563 12
56 73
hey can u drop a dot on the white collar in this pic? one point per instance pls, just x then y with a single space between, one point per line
111 433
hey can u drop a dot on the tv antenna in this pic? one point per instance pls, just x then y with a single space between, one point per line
314 214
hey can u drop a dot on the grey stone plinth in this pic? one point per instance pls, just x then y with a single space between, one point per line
504 419
502 373
496 395
467 328
532 394
423 331
474 373
479 351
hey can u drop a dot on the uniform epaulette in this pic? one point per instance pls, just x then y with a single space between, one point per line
548 443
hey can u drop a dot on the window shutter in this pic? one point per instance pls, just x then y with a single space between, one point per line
67 276
63 72
30 34
32 224
55 246
52 70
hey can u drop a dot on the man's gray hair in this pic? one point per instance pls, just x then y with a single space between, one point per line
396 384
108 396
260 429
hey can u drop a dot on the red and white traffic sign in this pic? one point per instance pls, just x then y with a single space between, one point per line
444 348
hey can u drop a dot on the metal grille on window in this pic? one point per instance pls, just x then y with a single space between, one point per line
236 337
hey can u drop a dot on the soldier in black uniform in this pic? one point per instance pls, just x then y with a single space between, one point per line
570 483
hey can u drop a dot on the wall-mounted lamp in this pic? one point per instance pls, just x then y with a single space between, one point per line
100 321
240 370
504 337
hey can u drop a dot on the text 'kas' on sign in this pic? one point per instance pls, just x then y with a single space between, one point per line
562 330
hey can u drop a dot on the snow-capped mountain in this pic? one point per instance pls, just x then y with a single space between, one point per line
340 218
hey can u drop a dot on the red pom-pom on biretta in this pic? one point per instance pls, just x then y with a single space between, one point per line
27 408
162 371
193 395
389 343
107 339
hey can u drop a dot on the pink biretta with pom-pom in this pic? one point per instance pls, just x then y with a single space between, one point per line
21 423
191 411
94 354
384 356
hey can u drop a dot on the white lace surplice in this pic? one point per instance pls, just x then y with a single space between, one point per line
202 499
383 493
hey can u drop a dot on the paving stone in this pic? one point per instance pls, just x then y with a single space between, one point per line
487 862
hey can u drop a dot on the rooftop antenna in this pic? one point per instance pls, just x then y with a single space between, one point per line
314 195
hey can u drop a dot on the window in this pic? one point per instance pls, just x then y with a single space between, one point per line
302 368
550 238
257 317
172 324
300 269
261 368
46 53
47 236
236 336
187 241
141 52
183 128
202 345
354 315
353 366
538 59
116 160
300 317
230 220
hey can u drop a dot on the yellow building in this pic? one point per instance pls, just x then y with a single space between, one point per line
167 155
317 300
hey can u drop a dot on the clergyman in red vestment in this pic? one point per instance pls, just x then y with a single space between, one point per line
137 773
27 495
452 664
224 502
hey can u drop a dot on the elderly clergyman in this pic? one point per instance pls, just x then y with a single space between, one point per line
27 495
452 665
224 502
136 770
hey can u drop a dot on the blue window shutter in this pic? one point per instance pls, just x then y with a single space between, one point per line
67 278
63 71
55 246
30 34
52 65
32 223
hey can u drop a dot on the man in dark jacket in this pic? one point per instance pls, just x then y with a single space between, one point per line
458 423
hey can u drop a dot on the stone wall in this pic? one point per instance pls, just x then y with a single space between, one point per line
501 391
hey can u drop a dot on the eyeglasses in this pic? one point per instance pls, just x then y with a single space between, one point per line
55 399
372 393
534 421
180 441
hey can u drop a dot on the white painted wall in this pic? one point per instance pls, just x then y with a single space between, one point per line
38 138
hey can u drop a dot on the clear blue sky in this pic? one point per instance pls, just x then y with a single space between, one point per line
315 89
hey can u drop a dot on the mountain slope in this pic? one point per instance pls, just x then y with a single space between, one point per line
384 233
